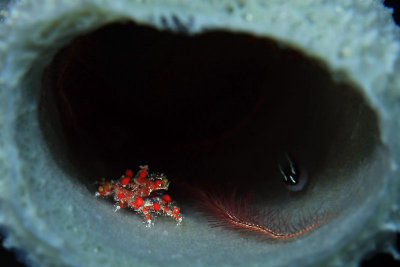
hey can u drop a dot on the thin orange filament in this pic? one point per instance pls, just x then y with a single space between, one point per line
237 214
265 230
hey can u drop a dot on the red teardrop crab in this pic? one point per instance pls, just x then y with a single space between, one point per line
144 193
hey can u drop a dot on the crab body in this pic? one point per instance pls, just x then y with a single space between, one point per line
144 193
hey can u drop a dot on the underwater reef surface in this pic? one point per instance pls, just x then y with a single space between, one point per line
209 93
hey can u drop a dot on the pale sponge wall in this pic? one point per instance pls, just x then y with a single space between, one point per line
333 64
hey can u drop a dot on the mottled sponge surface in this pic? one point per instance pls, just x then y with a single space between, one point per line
54 219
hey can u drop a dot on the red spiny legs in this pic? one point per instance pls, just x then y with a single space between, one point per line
144 193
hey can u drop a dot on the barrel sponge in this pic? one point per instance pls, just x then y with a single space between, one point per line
329 70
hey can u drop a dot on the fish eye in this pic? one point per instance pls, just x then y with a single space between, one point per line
294 176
